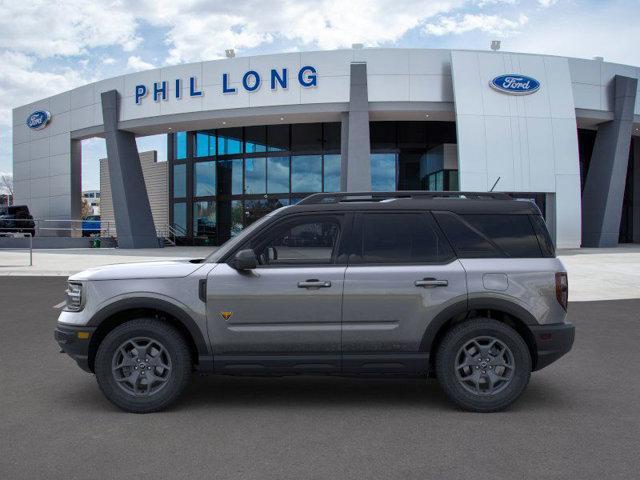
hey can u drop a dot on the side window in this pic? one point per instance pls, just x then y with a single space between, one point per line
513 234
400 238
467 242
304 240
546 244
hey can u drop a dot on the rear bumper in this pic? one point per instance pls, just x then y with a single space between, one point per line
74 345
552 342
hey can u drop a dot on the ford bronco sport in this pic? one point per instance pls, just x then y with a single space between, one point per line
461 286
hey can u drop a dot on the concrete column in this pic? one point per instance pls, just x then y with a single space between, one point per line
356 149
131 208
604 187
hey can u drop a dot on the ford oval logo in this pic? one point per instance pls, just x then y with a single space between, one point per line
38 119
515 84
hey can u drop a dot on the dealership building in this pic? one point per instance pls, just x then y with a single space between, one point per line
247 135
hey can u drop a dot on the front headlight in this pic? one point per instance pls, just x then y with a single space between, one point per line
74 297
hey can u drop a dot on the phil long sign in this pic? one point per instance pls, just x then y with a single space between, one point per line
515 84
250 81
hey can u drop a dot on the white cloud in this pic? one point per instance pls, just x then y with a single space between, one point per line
108 61
491 24
135 63
46 28
547 3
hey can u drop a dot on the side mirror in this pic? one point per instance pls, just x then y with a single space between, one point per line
245 260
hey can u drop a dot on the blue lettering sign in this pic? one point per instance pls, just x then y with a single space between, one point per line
251 86
225 84
192 88
275 77
515 84
157 90
141 92
310 80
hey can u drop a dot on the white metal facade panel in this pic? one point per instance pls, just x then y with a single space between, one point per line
525 140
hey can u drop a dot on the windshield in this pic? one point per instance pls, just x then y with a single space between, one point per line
232 243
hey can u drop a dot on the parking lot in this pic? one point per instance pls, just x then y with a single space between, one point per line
579 418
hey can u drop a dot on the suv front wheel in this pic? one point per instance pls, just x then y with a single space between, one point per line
483 365
143 365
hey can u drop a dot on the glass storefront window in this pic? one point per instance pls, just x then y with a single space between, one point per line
332 173
230 177
278 137
180 217
180 180
383 172
204 219
254 210
205 144
278 175
306 173
229 141
204 179
306 137
180 146
255 175
255 139
331 133
237 217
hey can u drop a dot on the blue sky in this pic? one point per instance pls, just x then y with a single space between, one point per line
49 47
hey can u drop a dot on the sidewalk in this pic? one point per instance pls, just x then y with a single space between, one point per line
594 274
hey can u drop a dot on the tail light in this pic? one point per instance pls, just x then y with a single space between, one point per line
562 289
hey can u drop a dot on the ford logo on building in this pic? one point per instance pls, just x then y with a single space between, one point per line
515 84
38 119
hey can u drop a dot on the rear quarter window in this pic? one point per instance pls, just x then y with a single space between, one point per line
491 235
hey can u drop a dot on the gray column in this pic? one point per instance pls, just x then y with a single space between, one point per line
131 208
356 164
636 190
604 186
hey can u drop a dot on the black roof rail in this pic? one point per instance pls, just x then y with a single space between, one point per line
336 197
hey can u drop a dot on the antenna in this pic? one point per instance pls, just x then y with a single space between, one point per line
494 185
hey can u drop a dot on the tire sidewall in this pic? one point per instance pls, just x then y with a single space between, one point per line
176 349
456 339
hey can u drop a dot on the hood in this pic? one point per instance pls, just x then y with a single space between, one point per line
142 270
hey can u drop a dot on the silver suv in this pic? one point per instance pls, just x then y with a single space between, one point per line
461 286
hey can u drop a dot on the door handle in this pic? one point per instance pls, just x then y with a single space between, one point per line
431 283
314 283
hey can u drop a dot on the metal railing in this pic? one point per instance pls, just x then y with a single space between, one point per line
54 228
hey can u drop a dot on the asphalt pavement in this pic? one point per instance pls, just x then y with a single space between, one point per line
578 419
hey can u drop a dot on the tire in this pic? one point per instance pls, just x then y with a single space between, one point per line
136 386
491 386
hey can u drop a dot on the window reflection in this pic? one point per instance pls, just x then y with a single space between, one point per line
332 173
278 175
278 137
255 175
204 183
306 173
237 217
230 177
180 146
383 172
180 218
255 139
205 144
229 141
180 180
204 219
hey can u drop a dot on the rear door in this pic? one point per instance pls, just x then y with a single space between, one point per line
401 274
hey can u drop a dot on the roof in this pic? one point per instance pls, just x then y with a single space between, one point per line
457 202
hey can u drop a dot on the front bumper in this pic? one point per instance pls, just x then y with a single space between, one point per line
552 342
75 342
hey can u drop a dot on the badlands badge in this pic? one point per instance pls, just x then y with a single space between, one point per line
226 315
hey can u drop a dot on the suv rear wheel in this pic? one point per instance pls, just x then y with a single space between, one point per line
143 365
483 365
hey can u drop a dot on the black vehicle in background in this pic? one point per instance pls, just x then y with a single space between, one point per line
17 219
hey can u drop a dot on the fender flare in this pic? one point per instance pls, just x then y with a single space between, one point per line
153 303
464 307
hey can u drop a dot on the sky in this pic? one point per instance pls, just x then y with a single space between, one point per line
47 47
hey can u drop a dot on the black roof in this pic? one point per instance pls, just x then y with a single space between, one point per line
457 202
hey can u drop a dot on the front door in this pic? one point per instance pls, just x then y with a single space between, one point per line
401 275
285 314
